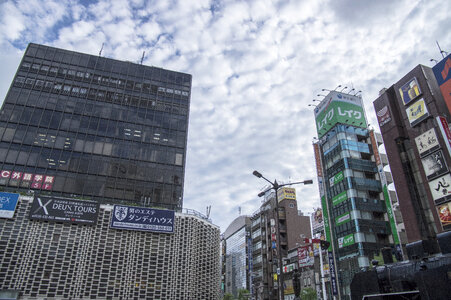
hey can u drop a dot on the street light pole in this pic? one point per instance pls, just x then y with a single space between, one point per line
276 186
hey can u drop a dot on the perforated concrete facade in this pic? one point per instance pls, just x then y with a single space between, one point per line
62 261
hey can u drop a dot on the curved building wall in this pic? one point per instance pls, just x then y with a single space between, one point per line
61 261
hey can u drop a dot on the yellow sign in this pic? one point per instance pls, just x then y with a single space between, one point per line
417 112
286 193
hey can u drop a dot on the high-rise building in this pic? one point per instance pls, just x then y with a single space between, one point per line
293 227
237 256
414 122
55 260
353 200
74 124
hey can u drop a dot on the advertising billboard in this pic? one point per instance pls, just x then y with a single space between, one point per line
434 165
142 218
343 196
444 213
344 218
446 132
319 170
417 112
409 91
286 193
345 241
305 256
427 142
54 209
442 73
8 203
441 189
339 108
336 179
317 219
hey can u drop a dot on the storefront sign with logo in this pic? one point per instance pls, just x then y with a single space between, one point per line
427 142
336 179
64 210
409 91
417 112
339 108
142 218
434 165
345 241
441 189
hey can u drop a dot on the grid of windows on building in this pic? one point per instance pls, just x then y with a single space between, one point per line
236 262
46 260
95 127
356 203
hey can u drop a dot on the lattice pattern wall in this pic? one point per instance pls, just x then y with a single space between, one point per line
61 261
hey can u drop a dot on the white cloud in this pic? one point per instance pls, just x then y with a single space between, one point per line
255 65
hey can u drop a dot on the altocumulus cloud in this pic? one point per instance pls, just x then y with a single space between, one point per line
255 65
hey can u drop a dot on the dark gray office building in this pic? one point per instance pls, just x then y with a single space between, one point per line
85 126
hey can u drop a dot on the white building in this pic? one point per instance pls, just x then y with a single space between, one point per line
40 259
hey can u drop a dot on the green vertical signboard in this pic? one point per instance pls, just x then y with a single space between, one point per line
390 215
326 222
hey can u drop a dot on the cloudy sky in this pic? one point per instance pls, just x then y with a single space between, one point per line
256 66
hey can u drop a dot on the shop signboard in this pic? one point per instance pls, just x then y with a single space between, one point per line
427 142
444 212
345 241
441 189
434 165
417 112
54 209
409 91
8 203
142 218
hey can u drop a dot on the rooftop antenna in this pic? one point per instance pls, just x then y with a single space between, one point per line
441 51
239 210
100 52
142 58
208 211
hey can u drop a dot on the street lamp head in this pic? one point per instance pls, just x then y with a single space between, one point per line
257 174
308 181
261 194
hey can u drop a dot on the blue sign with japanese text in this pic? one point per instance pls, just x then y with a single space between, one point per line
8 203
142 218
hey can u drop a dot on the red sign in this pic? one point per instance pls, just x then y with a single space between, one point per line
37 181
446 133
310 241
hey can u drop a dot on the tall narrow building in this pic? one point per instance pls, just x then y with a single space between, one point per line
293 227
74 124
352 194
414 120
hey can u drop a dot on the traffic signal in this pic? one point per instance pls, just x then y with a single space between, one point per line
324 244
